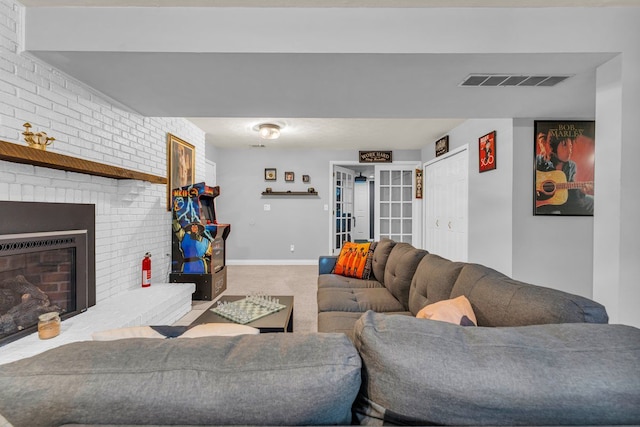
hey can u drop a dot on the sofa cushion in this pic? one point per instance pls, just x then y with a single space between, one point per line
425 372
498 300
457 311
352 260
357 300
274 379
432 282
380 256
337 281
338 321
401 266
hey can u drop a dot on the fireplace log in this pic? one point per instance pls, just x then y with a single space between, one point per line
30 302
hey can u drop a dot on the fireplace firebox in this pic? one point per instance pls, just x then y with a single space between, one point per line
47 263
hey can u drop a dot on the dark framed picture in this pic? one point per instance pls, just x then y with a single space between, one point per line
442 146
419 183
181 164
564 167
289 176
487 152
270 174
306 178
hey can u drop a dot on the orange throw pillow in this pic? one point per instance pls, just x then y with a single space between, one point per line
352 260
450 310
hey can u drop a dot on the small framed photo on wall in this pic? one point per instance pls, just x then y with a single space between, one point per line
289 176
306 178
270 174
487 152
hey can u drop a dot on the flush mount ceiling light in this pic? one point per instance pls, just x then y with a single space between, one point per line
269 131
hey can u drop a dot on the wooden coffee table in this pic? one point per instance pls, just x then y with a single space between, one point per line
281 321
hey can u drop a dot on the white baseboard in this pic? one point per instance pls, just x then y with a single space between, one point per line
272 262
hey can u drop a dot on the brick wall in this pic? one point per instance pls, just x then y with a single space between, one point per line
131 216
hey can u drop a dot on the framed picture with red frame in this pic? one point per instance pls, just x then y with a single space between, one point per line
487 152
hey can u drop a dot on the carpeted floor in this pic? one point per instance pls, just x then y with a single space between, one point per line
297 280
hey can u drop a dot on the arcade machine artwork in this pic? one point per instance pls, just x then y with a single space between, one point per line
198 242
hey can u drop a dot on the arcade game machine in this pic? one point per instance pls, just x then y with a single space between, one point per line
198 241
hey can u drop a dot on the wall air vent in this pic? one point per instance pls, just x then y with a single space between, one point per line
493 80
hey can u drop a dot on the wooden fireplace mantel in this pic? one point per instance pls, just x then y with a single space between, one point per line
23 154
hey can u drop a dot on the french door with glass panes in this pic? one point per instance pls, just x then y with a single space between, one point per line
396 209
343 180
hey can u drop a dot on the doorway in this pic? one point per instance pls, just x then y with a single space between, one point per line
352 208
371 202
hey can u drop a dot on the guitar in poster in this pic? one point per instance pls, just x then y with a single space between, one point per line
564 167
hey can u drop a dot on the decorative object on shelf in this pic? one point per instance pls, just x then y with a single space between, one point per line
487 152
269 131
270 174
311 190
442 146
181 164
375 157
564 167
268 190
38 140
289 176
306 178
418 183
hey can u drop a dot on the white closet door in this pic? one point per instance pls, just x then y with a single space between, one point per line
394 213
446 206
343 180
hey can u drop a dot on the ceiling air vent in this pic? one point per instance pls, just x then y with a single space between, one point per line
492 80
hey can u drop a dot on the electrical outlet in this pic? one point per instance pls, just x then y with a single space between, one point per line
293 248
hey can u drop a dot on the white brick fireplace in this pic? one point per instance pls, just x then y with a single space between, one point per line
131 216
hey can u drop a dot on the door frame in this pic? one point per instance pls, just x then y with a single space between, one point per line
417 203
332 192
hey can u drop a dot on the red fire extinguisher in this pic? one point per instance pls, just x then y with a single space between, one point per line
146 270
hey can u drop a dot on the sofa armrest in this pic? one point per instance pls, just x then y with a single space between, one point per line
326 263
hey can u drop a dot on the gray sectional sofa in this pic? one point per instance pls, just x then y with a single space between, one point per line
539 357
406 279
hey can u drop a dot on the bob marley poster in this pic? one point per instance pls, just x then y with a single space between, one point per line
564 167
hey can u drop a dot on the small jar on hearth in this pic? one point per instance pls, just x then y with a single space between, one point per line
48 325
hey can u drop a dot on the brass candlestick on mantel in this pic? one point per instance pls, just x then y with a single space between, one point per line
39 140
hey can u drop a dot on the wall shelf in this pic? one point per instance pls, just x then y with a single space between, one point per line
290 193
32 156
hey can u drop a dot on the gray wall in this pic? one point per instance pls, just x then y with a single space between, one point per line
490 193
259 236
503 232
